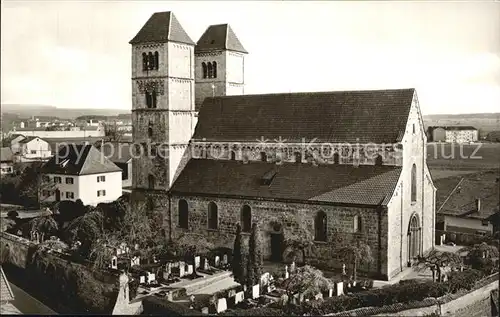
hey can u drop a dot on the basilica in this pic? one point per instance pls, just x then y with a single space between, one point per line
341 166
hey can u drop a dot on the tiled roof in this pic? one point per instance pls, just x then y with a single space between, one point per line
462 202
219 37
377 116
451 128
79 159
117 152
55 143
160 28
5 290
326 183
28 139
6 154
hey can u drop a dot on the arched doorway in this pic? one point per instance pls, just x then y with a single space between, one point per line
414 238
277 241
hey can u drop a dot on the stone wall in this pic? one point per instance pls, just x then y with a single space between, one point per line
14 249
288 219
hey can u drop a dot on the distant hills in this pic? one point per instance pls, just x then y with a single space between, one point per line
27 111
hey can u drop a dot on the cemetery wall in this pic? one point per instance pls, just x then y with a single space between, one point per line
290 219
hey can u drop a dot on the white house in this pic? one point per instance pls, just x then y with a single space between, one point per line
15 145
34 148
80 172
6 161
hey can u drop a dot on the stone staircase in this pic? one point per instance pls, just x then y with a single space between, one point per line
206 281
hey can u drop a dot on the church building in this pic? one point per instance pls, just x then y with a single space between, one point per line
343 167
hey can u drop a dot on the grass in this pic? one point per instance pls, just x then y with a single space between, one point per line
463 157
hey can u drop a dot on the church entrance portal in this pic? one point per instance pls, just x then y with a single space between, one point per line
414 240
276 247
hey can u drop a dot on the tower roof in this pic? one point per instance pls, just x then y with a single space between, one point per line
219 37
160 28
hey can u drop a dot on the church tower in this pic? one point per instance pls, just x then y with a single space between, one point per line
162 102
220 64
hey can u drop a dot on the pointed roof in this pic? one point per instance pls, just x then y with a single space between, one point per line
160 28
5 290
79 159
219 37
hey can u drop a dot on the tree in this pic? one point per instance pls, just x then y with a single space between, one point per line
238 266
437 260
255 259
32 183
7 224
307 281
299 240
86 229
483 256
359 253
192 244
43 226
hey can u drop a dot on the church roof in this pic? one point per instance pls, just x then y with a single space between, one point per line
5 290
219 37
342 184
160 28
377 116
79 159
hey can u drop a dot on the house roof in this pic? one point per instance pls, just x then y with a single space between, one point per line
5 290
160 28
55 143
290 181
6 154
29 138
452 128
219 37
377 116
462 201
79 159
117 152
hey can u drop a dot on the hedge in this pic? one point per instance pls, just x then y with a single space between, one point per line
161 306
260 311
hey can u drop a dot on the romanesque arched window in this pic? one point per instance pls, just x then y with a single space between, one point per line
413 183
151 181
263 156
157 60
210 70
150 132
320 226
153 99
151 61
336 158
204 67
144 61
149 100
378 160
357 224
246 218
214 65
213 216
233 156
183 214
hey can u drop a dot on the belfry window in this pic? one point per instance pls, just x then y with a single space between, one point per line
157 61
210 70
298 157
151 99
144 61
151 182
204 68
263 156
214 65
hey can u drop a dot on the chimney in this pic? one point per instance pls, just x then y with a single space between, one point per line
478 204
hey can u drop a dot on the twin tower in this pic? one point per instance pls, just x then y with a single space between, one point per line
171 76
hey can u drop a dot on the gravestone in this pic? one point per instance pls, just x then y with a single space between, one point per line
239 297
255 291
217 261
330 292
142 279
221 305
189 269
224 259
197 261
204 310
231 293
264 279
292 267
343 269
287 275
318 296
283 300
150 277
182 269
339 288
114 262
206 266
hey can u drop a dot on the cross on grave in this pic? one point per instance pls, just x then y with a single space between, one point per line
343 269
292 267
206 266
287 275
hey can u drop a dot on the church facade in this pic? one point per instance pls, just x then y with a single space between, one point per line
341 167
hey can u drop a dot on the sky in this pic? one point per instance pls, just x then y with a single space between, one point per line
75 54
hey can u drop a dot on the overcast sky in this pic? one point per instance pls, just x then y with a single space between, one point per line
76 54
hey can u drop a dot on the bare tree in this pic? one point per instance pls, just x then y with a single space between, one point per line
437 260
358 253
191 244
299 237
306 280
42 226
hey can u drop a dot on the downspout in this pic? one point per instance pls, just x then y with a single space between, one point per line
379 260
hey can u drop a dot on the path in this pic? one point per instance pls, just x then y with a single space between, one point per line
27 304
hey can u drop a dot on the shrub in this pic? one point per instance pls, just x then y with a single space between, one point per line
261 311
156 306
463 280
